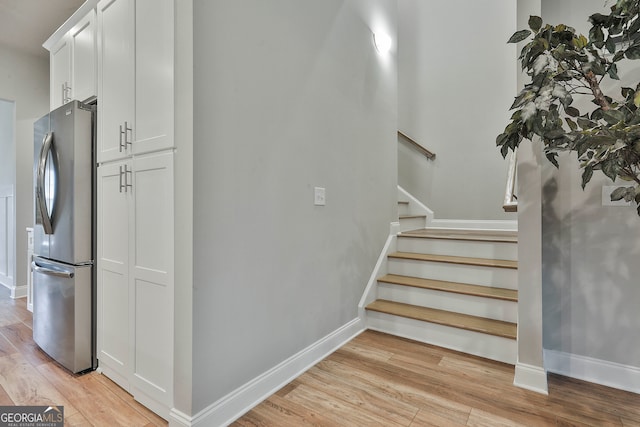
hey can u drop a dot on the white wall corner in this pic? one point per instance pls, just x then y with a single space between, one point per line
597 371
531 377
232 406
371 291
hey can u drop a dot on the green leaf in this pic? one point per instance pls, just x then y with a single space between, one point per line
586 175
572 111
535 23
633 52
610 169
636 99
552 157
571 123
619 193
599 19
610 45
518 36
596 36
613 72
613 116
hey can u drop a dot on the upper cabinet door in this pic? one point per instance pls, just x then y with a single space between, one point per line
84 58
154 75
116 127
60 73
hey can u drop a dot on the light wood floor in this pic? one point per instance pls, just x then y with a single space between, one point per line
381 380
29 377
375 380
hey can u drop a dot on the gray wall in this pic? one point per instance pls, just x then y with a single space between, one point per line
7 144
591 289
457 79
288 95
25 80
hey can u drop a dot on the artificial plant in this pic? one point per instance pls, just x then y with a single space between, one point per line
564 65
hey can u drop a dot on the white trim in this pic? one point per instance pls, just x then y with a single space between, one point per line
69 23
179 419
531 377
232 406
18 291
416 207
611 374
371 291
511 225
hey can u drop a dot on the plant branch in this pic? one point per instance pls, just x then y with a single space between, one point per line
598 96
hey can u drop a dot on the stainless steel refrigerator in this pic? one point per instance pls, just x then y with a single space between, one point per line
63 262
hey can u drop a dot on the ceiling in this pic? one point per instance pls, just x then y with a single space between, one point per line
26 24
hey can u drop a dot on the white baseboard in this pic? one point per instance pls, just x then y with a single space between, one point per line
19 291
475 223
531 377
235 404
597 371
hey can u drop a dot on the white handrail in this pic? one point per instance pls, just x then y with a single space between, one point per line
510 198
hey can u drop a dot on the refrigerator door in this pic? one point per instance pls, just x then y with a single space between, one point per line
41 133
63 177
62 323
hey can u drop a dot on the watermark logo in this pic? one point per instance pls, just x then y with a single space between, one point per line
31 416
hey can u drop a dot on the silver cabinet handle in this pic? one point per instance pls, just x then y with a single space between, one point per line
128 135
124 136
126 173
41 197
51 272
66 89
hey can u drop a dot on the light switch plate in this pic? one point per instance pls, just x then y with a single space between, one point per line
319 196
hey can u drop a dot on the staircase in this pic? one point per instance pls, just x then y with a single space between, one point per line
454 288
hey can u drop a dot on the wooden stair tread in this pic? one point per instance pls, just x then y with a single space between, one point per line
411 216
453 287
506 236
446 318
482 262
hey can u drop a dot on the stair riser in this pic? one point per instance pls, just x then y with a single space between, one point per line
479 344
464 248
403 209
407 224
466 304
471 274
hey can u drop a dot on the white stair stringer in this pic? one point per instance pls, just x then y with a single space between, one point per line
471 342
478 275
473 305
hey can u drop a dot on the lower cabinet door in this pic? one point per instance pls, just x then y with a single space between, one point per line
113 316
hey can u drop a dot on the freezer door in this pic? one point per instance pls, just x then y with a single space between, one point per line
62 322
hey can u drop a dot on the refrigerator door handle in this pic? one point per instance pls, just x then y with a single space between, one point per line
40 184
51 272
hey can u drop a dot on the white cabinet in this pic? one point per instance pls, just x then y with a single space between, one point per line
135 59
73 64
84 59
60 73
135 276
115 76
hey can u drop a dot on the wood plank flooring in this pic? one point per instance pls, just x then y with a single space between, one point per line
29 377
382 380
374 380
